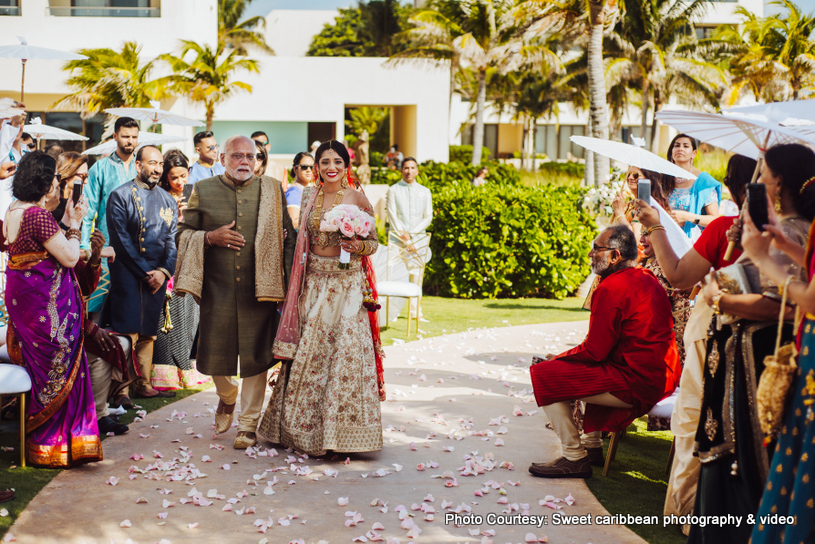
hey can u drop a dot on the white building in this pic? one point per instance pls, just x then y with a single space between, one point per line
296 99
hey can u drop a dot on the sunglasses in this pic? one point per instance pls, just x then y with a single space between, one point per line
634 175
32 145
260 157
305 166
597 249
211 148
83 177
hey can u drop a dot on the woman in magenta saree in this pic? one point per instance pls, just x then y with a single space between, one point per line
46 314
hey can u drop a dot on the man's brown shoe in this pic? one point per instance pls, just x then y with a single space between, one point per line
562 468
6 495
596 456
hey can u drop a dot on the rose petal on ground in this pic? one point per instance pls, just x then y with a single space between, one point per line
3 512
429 498
162 515
167 504
377 527
225 466
398 467
125 524
342 501
192 525
448 448
499 442
141 500
113 480
361 538
137 457
144 435
569 499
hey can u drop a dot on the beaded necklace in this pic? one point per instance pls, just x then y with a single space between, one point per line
322 238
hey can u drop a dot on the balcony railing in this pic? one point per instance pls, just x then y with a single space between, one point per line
94 11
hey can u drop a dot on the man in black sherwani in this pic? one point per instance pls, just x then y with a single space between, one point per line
142 219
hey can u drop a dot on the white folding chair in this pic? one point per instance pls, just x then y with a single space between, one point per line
412 256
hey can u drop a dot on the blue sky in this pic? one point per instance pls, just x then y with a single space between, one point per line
263 7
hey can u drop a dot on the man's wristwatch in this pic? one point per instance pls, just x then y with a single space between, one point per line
696 221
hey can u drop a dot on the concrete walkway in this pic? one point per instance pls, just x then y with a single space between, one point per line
456 404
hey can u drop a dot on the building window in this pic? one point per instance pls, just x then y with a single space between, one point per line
10 7
490 137
704 32
105 8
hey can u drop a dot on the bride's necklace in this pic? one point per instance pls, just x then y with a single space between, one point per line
322 238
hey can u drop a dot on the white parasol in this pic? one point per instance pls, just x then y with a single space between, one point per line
26 52
740 134
145 138
155 115
40 131
791 114
632 155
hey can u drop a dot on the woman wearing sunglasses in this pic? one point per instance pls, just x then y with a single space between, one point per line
303 174
72 168
622 204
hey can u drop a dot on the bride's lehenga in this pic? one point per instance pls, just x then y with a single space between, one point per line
327 397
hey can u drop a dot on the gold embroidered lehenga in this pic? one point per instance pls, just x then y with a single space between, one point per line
327 396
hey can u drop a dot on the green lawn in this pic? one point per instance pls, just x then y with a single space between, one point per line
450 315
635 485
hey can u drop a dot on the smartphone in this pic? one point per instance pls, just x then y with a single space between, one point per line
644 190
77 192
757 204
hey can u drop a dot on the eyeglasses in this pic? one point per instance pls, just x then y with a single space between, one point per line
211 148
305 166
32 145
241 156
597 249
58 177
260 156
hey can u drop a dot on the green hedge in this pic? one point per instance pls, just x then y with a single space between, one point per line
574 169
438 174
508 241
464 153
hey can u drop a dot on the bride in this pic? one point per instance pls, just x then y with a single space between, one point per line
330 385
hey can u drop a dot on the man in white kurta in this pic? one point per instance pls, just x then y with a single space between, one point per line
410 211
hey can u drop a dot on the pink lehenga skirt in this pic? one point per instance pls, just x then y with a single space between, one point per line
327 397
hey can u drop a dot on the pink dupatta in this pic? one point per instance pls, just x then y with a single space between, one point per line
288 332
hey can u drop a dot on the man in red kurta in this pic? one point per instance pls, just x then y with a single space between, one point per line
627 363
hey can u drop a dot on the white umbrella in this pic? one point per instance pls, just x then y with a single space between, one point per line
790 114
145 138
40 131
736 133
155 115
26 52
632 155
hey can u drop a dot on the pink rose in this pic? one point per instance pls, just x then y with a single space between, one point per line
346 229
324 226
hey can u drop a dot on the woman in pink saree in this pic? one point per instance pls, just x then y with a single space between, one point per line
46 315
330 385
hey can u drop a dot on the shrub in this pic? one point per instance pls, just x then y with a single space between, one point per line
574 169
464 153
385 176
508 241
438 174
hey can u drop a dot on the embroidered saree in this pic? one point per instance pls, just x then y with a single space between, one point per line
46 316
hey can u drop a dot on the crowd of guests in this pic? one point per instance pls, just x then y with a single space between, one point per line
703 325
146 273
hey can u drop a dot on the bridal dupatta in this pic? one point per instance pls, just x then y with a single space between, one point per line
288 333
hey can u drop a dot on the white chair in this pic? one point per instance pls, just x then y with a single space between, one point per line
14 380
412 256
663 408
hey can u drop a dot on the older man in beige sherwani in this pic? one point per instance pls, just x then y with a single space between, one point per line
236 244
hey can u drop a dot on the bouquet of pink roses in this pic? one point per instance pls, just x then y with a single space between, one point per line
350 221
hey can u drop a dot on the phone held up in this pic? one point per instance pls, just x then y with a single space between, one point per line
77 192
644 190
757 204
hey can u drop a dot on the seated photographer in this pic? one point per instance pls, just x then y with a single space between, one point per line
627 363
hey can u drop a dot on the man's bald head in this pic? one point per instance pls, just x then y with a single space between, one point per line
239 158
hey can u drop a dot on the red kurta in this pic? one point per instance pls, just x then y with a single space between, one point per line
630 351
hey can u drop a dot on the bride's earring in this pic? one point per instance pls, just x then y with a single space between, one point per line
345 179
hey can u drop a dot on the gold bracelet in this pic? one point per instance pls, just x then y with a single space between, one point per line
617 216
649 230
716 299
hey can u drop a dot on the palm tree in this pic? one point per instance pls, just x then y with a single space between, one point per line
237 34
477 35
110 79
772 57
654 48
586 22
208 77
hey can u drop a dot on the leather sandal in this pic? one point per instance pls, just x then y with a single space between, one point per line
223 419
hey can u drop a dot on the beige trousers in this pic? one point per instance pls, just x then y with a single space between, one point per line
143 348
253 392
101 373
560 416
684 421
